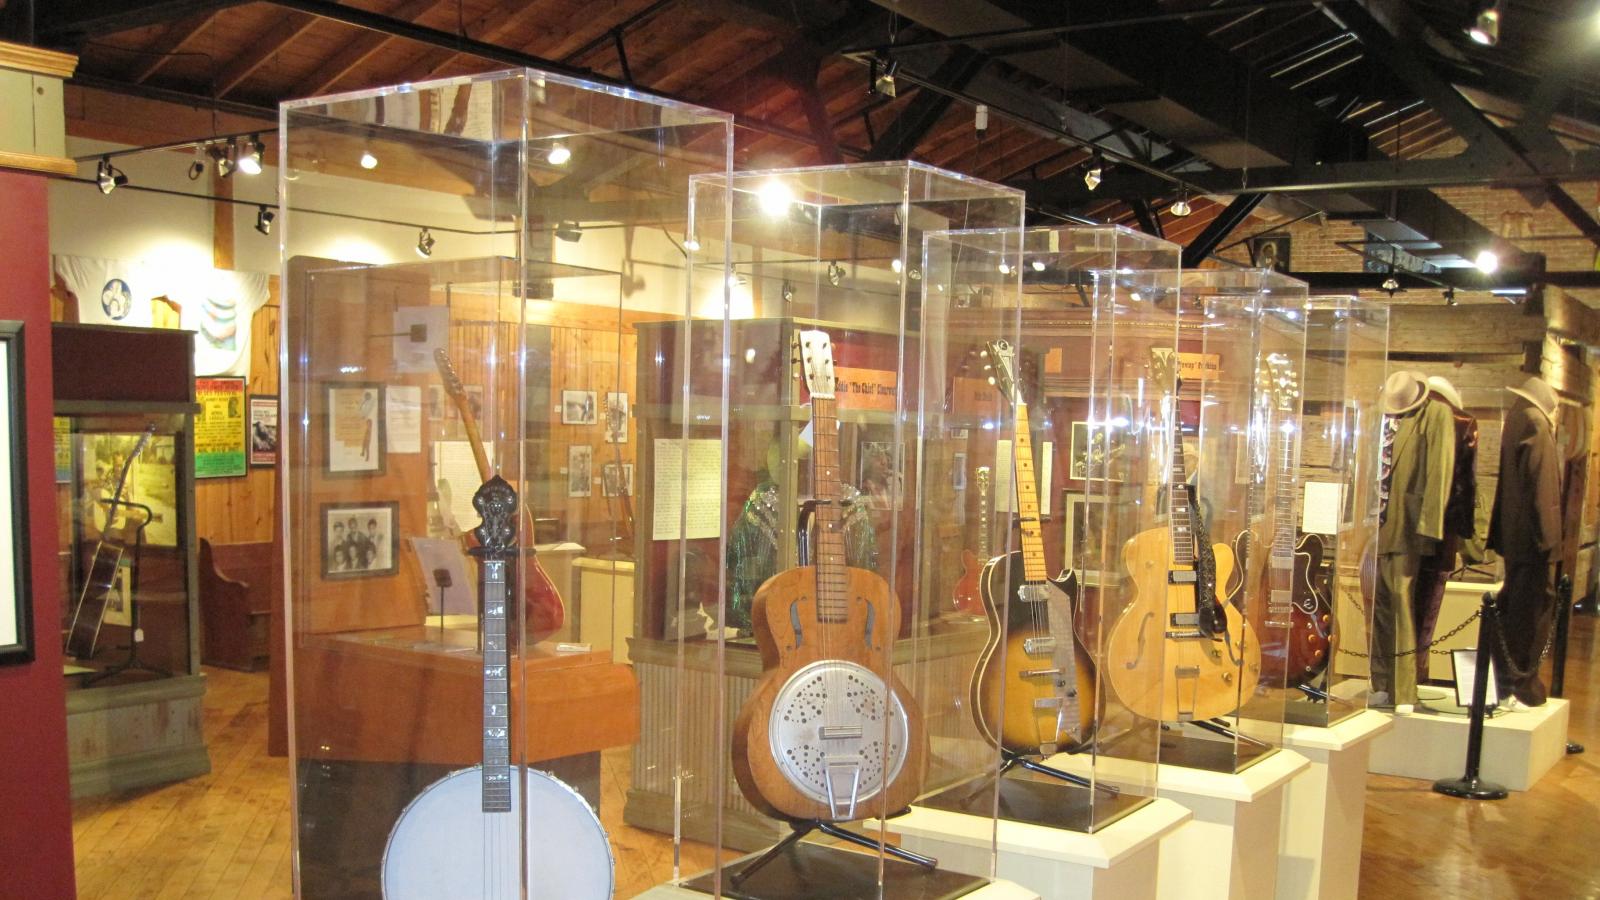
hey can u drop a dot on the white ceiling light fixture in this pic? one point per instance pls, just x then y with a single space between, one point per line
1038 265
1096 172
368 160
264 219
1180 207
108 177
559 154
250 158
1485 27
775 198
424 243
1487 261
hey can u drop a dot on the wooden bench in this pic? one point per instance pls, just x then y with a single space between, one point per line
235 603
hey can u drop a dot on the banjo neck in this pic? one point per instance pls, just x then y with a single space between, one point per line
496 503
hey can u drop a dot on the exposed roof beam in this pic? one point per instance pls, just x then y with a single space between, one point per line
358 50
1149 222
71 23
173 41
262 49
1231 217
899 138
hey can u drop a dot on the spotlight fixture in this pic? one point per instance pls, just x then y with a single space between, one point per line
1180 207
424 243
835 273
897 265
368 161
788 291
1038 265
1487 261
980 120
250 159
1485 27
1005 268
691 244
1095 172
1450 296
264 219
223 153
571 232
774 197
198 167
559 154
1391 285
882 75
109 177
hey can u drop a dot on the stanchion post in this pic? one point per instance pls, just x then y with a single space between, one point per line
1469 786
1558 662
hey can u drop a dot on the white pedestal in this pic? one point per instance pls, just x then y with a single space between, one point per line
1230 848
1118 861
605 604
1518 747
1319 850
999 890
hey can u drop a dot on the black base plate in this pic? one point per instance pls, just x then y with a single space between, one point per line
1469 789
808 871
1211 754
1037 799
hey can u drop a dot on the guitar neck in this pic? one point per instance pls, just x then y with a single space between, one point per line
832 578
1283 537
1180 519
984 542
496 502
1028 499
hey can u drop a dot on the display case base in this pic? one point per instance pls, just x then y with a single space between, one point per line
1038 800
811 871
1518 747
1319 856
135 735
1230 848
1118 860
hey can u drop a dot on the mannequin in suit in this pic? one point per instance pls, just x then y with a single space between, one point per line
1525 529
1418 457
1460 520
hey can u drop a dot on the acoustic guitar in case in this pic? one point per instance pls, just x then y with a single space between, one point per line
829 734
101 578
1033 689
1205 652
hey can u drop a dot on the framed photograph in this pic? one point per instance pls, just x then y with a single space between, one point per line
16 598
359 539
881 476
616 417
958 471
1084 535
580 469
616 480
355 428
1092 454
578 408
263 431
1270 251
220 429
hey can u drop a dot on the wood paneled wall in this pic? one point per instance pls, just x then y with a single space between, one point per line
241 510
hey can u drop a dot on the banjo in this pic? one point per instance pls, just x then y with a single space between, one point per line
488 830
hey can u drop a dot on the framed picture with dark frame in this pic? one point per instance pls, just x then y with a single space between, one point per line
360 540
16 596
263 423
354 419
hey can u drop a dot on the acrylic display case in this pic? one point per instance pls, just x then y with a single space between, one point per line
1045 430
775 698
1241 355
469 265
1341 419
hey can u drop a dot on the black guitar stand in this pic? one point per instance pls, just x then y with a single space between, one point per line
1470 786
132 662
1315 694
1558 652
806 826
1219 727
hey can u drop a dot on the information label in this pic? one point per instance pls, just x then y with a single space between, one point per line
702 517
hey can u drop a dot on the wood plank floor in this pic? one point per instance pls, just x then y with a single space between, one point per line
226 835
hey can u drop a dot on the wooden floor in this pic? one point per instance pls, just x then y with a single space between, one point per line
226 835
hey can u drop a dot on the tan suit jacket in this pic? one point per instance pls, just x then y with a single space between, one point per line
1424 456
1526 522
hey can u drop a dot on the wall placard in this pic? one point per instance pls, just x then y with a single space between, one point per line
16 618
219 430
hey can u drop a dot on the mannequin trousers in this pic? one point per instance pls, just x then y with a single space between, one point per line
1427 595
1393 631
1526 612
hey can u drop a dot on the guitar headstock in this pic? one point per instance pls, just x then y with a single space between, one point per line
983 480
447 372
1279 382
814 351
496 503
1001 364
144 441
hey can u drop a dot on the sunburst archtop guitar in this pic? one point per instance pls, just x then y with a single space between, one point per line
1033 689
829 734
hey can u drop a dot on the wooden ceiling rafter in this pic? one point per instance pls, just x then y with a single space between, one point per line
175 39
289 27
363 46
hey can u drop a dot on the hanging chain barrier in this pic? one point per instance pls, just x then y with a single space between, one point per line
1438 639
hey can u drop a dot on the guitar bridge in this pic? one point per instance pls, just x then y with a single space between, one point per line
840 732
1039 646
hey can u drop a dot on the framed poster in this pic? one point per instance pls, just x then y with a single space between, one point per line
616 479
578 408
580 470
16 600
219 430
359 540
263 431
355 428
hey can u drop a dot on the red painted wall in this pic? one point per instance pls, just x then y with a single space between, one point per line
35 812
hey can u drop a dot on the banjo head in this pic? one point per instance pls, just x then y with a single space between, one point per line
835 720
444 845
